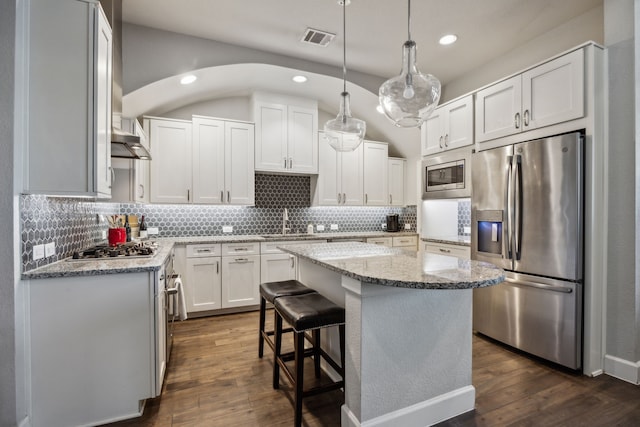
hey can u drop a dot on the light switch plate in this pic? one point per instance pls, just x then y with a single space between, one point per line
50 249
227 228
320 227
334 226
38 252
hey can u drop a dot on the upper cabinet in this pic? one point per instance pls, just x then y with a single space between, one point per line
131 176
68 80
396 171
545 95
205 160
286 134
449 126
375 181
340 181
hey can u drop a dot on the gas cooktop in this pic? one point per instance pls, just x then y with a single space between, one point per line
126 250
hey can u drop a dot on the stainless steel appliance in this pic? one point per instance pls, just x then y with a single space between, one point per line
166 301
527 218
447 175
128 250
393 222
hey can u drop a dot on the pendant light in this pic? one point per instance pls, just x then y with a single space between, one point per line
408 99
344 133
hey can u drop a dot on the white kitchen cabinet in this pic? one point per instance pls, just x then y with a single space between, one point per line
544 95
131 176
203 277
396 172
222 162
450 126
140 186
463 252
341 180
375 173
240 280
64 159
408 242
276 265
171 148
286 134
382 241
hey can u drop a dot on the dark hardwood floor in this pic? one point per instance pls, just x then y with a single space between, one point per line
216 379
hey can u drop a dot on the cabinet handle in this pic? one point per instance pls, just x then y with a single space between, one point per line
446 251
285 162
390 199
217 267
241 249
441 142
446 140
203 250
221 196
290 162
517 120
228 196
338 198
366 198
188 195
293 261
242 259
344 198
141 192
526 117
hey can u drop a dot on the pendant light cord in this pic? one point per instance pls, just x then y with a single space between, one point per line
344 45
409 19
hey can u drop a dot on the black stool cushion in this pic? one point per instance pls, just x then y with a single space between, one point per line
309 311
272 290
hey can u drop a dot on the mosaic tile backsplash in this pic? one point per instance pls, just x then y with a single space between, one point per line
464 217
74 224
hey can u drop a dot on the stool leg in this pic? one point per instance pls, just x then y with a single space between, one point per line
263 308
277 334
299 368
342 350
316 351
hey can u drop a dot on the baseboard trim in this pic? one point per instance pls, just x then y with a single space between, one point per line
421 414
622 369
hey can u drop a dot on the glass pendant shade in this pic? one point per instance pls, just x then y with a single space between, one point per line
410 98
345 133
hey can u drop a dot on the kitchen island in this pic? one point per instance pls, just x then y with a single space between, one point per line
408 328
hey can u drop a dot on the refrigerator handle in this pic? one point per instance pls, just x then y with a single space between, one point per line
518 207
506 220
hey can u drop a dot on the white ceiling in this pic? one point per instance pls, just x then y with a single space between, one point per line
376 29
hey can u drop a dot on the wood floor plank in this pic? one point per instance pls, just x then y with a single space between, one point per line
215 378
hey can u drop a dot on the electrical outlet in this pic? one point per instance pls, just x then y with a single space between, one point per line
319 227
50 249
38 252
227 228
383 225
153 231
334 226
466 230
407 226
103 234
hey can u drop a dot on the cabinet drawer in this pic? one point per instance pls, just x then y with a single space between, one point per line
452 250
272 247
405 241
384 241
240 248
203 250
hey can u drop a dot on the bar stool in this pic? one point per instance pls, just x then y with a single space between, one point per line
269 291
308 312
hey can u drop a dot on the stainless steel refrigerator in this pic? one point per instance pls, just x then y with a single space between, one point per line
527 218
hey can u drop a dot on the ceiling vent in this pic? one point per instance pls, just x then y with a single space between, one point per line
317 37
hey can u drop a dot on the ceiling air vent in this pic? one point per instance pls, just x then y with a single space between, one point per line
317 37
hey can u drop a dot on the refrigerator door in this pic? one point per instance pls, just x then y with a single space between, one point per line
490 171
548 207
540 316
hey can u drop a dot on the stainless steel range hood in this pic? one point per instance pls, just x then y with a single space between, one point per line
127 146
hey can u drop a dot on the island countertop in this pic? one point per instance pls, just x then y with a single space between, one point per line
397 267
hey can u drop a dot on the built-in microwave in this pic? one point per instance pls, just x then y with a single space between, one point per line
447 175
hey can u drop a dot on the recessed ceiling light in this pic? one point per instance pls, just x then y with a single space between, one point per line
448 39
299 79
187 80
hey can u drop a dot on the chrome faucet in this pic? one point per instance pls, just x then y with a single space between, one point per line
285 218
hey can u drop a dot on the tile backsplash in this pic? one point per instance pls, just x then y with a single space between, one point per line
464 217
74 224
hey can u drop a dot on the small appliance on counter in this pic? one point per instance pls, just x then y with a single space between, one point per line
393 222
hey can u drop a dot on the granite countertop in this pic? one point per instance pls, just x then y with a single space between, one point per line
285 237
450 240
397 267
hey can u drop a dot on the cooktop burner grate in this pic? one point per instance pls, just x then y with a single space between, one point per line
127 251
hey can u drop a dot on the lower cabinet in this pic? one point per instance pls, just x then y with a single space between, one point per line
382 241
240 280
408 242
276 265
446 249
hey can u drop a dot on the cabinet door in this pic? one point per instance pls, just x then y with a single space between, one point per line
554 92
277 267
271 136
498 110
396 181
103 72
202 284
170 143
351 177
463 252
328 185
302 146
140 188
432 134
208 160
240 281
458 131
382 241
375 178
410 242
239 166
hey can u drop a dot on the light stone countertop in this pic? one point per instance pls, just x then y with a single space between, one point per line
450 240
397 267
